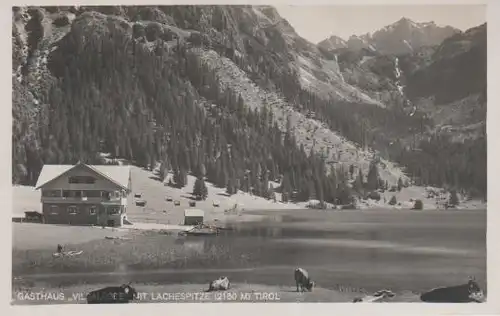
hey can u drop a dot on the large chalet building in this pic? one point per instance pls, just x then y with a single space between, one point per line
84 195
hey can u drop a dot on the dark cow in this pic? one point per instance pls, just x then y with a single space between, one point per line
221 284
468 292
302 280
112 294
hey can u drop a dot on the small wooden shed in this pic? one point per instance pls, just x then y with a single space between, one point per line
193 216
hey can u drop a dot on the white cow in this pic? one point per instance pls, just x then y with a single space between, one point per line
302 280
221 284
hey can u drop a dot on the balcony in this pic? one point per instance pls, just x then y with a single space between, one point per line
82 195
115 201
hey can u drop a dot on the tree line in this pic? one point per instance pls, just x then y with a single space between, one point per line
115 94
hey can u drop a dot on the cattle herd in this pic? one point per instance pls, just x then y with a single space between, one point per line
468 292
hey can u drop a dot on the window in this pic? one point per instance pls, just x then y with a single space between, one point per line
114 210
51 193
82 179
78 194
66 193
54 210
93 210
92 193
106 195
72 210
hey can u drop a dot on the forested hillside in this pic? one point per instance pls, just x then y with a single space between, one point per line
136 82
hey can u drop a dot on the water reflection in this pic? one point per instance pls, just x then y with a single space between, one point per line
408 251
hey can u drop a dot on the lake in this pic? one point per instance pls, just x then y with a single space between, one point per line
401 250
370 249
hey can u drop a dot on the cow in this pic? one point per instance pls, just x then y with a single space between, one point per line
468 292
112 294
302 280
221 284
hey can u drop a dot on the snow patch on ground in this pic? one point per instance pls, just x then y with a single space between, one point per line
365 59
398 72
396 68
408 45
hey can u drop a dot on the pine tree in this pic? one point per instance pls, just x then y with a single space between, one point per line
198 188
180 177
400 184
351 171
177 178
230 187
373 178
453 200
204 190
286 189
163 170
202 170
333 185
359 183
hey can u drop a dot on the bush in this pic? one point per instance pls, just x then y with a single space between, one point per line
61 20
168 35
393 200
153 31
138 30
151 14
195 38
419 205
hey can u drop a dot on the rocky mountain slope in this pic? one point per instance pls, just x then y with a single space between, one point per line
451 85
447 82
332 43
180 84
401 37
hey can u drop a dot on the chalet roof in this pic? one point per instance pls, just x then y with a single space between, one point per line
193 212
117 174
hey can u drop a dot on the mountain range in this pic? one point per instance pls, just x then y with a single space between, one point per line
402 37
235 94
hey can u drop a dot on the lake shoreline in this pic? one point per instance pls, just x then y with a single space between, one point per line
196 293
363 249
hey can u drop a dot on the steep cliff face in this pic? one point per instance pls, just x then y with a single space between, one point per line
443 80
144 82
406 36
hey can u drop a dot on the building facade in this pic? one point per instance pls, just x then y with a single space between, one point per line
193 216
84 195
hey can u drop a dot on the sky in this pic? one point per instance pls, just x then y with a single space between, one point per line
318 22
